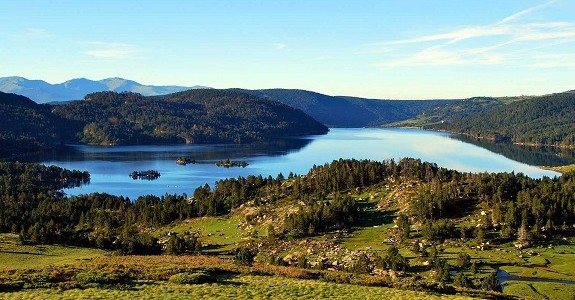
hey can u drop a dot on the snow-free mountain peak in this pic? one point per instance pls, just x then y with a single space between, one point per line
74 89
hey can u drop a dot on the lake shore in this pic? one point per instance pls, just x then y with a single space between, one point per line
560 169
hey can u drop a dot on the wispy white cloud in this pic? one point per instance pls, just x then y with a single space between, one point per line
456 35
441 48
32 33
441 57
110 51
524 12
37 33
279 46
553 61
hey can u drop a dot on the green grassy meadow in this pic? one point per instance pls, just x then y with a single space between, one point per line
235 287
13 255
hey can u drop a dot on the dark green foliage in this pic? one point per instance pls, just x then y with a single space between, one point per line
134 243
395 261
194 116
459 110
362 265
186 243
348 111
463 260
31 203
441 268
11 286
321 217
245 255
26 126
545 120
403 225
462 281
24 186
433 252
490 283
148 175
467 231
192 278
438 230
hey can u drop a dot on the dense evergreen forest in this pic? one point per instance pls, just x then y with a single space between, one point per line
108 118
340 111
544 120
194 116
519 207
26 126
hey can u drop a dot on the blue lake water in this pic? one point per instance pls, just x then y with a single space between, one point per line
109 167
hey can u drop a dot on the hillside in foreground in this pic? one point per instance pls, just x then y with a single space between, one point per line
403 225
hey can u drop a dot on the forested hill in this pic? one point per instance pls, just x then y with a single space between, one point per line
194 116
339 111
27 126
544 120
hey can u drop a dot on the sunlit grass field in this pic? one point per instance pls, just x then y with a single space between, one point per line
14 255
237 287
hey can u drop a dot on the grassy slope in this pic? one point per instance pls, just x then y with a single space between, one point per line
16 256
540 290
555 262
238 287
380 206
561 169
218 234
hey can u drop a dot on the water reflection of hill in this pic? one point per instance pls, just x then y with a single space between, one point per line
535 156
199 153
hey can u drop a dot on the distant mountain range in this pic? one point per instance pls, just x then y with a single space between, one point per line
43 92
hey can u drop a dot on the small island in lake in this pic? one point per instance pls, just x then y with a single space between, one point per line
228 164
185 160
148 175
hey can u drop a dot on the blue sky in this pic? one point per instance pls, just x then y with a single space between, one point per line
408 49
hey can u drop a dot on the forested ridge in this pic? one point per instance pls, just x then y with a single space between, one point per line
544 120
520 207
194 116
341 111
109 118
26 126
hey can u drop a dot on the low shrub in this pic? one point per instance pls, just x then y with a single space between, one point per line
11 286
371 280
100 277
192 278
336 277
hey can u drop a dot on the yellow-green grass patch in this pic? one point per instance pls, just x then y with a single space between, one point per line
14 255
239 287
540 290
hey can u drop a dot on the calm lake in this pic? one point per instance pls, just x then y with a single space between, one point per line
109 167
